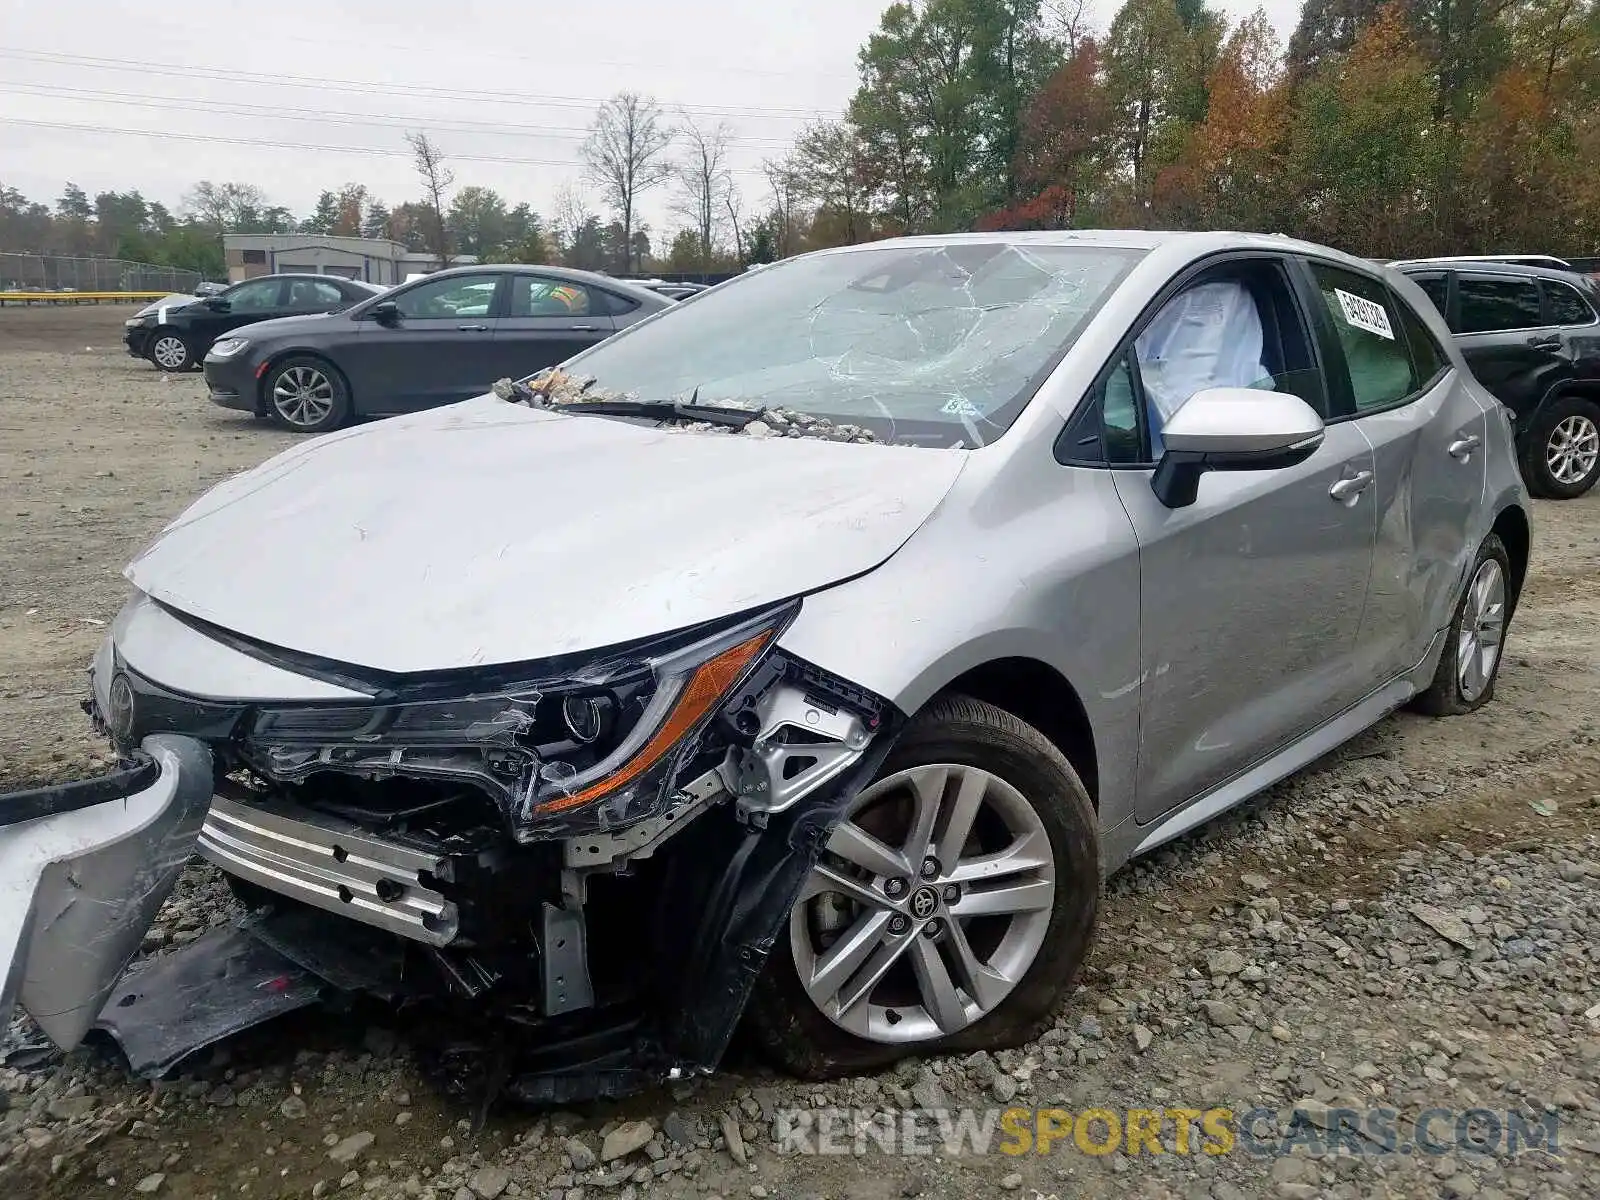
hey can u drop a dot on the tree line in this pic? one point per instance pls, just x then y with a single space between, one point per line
1405 127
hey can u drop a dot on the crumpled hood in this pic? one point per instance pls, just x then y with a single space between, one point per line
485 532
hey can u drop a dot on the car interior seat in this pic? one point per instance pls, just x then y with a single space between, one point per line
1208 336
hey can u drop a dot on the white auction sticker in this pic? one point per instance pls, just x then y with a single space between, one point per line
1364 314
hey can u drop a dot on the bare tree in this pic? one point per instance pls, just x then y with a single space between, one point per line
1069 22
625 156
428 160
224 205
704 182
786 187
735 206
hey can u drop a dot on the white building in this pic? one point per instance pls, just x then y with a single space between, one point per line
376 260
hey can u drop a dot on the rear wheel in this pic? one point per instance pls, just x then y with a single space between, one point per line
170 352
950 910
1562 458
1470 665
307 395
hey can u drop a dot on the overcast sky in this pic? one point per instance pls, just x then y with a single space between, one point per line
297 96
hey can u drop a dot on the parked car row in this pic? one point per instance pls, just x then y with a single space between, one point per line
805 654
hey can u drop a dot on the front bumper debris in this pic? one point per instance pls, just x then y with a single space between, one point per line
587 963
84 868
330 865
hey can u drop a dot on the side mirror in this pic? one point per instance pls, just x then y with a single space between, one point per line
1232 429
218 304
385 312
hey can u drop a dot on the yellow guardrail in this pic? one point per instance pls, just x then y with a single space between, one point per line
78 297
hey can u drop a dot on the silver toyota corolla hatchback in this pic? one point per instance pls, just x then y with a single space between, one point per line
808 654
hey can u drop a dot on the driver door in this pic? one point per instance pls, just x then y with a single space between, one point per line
1250 598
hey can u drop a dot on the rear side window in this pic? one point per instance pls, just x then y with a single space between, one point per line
1490 305
610 304
1364 317
533 296
1427 359
1567 307
1435 286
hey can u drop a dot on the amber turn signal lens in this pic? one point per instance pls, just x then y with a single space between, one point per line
709 683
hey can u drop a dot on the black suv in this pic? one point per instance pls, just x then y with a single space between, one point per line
1532 337
175 333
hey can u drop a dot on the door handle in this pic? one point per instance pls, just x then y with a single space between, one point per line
1544 343
1462 448
584 328
1351 486
473 328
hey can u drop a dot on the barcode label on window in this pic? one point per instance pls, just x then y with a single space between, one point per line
1364 314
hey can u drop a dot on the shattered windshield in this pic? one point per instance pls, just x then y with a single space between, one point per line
932 345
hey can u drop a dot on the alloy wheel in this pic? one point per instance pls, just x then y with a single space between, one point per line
1573 449
928 906
302 396
1483 623
169 352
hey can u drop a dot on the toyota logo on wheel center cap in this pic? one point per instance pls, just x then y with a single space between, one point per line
924 903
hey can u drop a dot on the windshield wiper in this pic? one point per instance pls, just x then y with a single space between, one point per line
663 410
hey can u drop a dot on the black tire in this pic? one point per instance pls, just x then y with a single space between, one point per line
1445 696
1557 419
788 1027
167 343
336 394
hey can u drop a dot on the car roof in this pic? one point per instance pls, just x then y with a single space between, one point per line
621 287
1486 266
1179 244
1526 260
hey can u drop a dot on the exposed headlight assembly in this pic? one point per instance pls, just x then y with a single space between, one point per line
228 347
596 750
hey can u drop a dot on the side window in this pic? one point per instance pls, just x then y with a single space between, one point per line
1436 288
313 293
252 297
1362 314
1567 307
1427 359
459 296
1240 328
1493 304
532 296
609 303
1120 440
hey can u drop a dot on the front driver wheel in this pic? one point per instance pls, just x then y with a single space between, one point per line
307 395
170 352
950 910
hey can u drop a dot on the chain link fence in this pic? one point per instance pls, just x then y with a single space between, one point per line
61 273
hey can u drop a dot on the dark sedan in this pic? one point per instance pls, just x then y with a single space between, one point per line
175 333
434 341
1532 337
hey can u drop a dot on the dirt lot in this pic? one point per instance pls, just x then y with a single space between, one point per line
1412 924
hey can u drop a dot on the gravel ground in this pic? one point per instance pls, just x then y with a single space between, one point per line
1411 924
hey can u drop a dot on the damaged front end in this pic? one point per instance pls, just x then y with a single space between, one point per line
582 866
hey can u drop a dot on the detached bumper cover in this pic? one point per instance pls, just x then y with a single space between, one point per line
84 868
